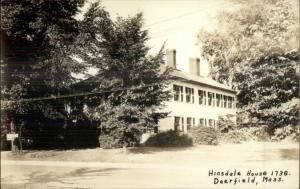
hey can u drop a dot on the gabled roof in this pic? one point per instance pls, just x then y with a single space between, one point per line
204 81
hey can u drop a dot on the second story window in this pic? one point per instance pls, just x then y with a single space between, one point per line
218 98
230 102
189 95
233 102
202 97
225 101
178 93
210 98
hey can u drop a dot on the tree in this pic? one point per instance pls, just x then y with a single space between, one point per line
118 50
269 89
37 38
256 50
253 30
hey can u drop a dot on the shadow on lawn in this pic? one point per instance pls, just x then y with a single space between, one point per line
70 177
289 154
278 154
39 179
151 150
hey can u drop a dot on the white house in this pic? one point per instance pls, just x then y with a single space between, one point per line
196 100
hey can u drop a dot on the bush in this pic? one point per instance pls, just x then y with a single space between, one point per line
259 133
204 135
226 123
286 133
117 138
109 142
169 139
245 134
235 136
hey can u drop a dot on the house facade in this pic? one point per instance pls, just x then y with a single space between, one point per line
196 100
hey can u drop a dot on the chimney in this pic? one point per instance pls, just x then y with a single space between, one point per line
171 58
194 66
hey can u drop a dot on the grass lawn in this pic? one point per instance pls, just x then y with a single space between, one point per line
149 167
250 151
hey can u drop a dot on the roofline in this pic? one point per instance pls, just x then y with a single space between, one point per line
197 82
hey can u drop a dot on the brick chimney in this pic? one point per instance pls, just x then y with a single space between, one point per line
194 66
171 58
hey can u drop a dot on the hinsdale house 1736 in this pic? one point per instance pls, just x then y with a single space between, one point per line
196 100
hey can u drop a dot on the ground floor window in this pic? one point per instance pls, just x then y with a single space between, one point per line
155 129
201 122
189 123
210 122
177 123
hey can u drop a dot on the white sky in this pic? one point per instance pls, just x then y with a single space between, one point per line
175 22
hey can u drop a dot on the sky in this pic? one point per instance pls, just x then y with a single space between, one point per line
173 22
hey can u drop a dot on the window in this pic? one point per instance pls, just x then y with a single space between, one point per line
177 124
205 94
221 101
225 101
155 129
210 98
189 95
178 93
218 98
210 123
202 97
201 122
214 99
230 102
188 123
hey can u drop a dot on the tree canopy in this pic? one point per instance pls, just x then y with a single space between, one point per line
37 38
45 45
118 50
255 48
250 31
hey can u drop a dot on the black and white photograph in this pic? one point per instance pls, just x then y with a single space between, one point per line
150 94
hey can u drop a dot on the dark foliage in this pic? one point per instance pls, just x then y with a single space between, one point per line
118 50
169 139
269 90
204 135
226 123
37 37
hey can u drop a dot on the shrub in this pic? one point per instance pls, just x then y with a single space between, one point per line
259 133
117 138
226 123
108 142
288 133
204 135
235 136
169 139
245 134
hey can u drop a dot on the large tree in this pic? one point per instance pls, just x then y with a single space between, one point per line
132 78
255 48
36 42
249 31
